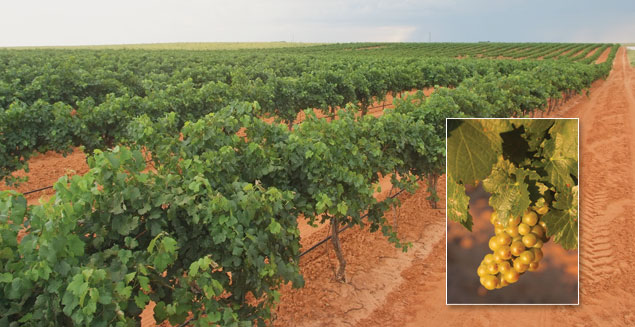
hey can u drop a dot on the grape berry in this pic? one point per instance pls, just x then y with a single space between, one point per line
516 248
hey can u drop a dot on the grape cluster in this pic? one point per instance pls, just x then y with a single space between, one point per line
516 248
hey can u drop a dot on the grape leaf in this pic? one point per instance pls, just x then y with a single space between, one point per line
562 220
473 147
561 153
458 204
535 130
510 194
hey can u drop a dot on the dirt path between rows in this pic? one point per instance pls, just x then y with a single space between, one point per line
607 285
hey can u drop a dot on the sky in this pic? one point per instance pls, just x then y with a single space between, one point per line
89 22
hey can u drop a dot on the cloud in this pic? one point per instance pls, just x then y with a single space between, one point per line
72 22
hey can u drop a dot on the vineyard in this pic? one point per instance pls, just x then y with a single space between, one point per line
204 164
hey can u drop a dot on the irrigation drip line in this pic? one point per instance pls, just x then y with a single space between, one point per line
50 187
186 322
38 190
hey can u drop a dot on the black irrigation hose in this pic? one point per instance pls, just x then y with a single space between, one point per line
186 322
38 190
50 187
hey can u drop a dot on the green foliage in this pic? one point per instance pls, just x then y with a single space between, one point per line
55 99
116 238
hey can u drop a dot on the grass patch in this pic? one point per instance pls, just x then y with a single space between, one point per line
630 53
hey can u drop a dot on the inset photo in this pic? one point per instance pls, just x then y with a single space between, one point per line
512 211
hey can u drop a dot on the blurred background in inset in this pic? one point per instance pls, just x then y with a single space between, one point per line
555 281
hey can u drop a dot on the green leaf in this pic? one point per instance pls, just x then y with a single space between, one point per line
161 261
125 224
113 159
458 204
193 271
274 227
124 256
195 186
342 208
18 208
169 244
141 300
562 219
105 299
535 131
129 277
473 147
561 154
509 191
76 246
6 277
144 283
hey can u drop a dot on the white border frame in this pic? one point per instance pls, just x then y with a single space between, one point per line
446 220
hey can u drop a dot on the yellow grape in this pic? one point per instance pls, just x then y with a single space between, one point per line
517 248
533 266
538 231
490 282
511 276
503 239
493 217
504 252
523 229
512 231
482 271
503 267
530 218
493 243
489 258
519 266
492 268
526 257
530 239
